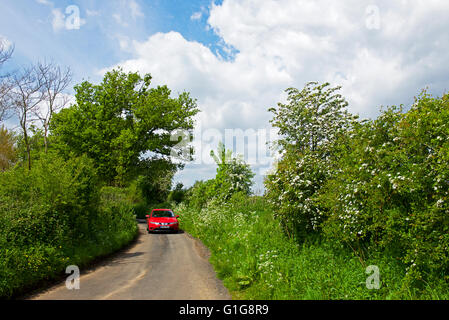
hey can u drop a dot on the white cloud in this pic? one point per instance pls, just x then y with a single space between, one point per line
136 11
70 20
92 13
45 2
118 18
124 42
129 11
229 92
58 21
323 39
196 15
58 18
287 43
5 44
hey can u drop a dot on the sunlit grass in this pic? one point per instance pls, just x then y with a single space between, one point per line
256 260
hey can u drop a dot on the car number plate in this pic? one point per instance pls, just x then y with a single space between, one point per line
165 227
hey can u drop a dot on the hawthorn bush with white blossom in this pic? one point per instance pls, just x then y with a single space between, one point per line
392 187
378 184
233 176
345 194
309 125
256 260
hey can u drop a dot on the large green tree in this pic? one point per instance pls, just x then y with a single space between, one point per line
121 121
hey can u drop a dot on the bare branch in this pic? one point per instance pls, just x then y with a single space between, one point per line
5 86
5 52
55 81
26 96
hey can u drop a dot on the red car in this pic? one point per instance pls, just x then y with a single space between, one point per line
162 220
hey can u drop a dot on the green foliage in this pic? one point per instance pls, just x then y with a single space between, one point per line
393 185
200 193
8 152
55 215
118 120
233 177
35 137
152 186
233 174
292 189
379 185
155 179
66 190
256 260
141 209
313 118
177 195
309 125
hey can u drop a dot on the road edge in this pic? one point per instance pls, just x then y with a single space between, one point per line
46 285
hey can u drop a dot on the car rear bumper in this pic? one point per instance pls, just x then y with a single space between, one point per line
159 229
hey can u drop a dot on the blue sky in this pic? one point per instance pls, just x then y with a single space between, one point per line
28 24
238 56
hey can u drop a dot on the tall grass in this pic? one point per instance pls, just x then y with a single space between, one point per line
256 260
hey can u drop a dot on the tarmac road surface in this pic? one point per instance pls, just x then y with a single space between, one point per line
156 267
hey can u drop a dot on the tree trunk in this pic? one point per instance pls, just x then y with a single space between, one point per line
27 144
45 138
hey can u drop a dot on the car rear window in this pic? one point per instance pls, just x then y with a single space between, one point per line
163 214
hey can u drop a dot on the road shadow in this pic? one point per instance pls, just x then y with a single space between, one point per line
168 232
46 285
124 258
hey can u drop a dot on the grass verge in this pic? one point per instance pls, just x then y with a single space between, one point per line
256 260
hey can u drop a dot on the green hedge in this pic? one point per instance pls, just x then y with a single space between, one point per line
53 216
379 184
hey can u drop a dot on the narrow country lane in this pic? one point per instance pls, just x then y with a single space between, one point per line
157 267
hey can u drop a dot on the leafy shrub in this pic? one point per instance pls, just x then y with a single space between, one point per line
178 194
233 177
309 125
256 260
393 185
53 216
140 210
200 193
233 174
378 185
